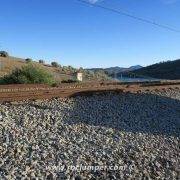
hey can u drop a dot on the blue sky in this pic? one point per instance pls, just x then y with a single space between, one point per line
75 34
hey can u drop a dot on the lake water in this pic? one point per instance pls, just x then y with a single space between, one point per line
124 79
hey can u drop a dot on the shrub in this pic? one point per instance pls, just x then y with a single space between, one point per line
54 84
28 60
41 61
69 81
28 74
64 68
4 54
55 64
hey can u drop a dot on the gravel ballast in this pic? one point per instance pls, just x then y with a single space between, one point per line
136 134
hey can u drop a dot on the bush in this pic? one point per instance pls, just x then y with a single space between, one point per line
28 74
54 84
55 64
28 60
4 54
41 61
69 81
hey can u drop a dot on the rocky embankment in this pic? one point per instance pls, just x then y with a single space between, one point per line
123 136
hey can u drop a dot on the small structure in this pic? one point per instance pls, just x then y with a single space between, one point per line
79 76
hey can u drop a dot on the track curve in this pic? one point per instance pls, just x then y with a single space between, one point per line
10 93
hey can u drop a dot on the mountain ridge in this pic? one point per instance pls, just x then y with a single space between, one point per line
116 69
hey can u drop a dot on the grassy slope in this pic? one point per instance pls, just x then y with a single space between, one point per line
10 63
165 70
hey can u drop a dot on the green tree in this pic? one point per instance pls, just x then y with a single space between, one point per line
55 64
28 60
41 61
4 54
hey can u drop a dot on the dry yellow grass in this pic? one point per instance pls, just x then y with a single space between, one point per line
7 64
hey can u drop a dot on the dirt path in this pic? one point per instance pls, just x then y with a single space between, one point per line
32 92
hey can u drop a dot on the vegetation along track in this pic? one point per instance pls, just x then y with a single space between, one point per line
32 92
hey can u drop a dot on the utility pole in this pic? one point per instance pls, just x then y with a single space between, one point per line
1 65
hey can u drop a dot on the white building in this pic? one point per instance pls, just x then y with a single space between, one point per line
79 76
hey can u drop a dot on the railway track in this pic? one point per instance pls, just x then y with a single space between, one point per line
33 92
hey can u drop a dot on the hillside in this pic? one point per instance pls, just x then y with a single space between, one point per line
7 64
164 70
116 69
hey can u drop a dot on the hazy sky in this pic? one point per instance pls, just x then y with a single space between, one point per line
75 34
